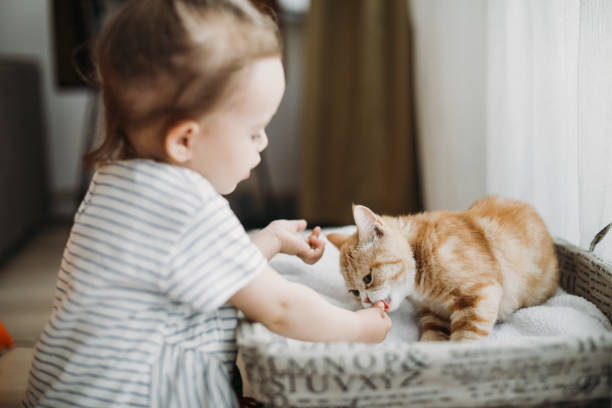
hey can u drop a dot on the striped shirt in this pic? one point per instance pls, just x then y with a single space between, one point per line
140 316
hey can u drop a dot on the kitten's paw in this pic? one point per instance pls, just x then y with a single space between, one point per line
465 335
434 336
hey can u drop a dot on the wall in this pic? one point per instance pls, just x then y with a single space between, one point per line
26 31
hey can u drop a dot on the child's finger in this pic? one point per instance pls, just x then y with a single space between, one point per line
315 232
319 247
318 252
312 241
315 253
312 254
299 225
315 242
380 304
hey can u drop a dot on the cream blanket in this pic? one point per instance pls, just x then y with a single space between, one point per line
562 315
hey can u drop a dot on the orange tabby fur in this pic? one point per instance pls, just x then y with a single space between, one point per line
463 270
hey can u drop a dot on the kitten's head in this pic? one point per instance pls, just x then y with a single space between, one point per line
376 261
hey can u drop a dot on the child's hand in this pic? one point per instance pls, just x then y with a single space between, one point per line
290 242
375 323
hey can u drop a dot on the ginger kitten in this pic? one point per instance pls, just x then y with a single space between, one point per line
463 270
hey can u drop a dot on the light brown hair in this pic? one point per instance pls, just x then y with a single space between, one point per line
162 61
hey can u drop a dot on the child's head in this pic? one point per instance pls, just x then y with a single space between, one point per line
190 82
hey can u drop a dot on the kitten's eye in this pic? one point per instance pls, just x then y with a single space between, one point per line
368 278
256 137
354 292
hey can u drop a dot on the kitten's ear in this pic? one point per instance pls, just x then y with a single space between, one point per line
369 225
337 239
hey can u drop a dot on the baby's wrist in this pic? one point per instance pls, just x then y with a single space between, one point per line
268 241
276 237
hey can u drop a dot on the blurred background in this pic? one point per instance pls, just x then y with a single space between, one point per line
399 105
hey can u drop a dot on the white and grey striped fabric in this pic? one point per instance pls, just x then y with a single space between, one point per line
140 317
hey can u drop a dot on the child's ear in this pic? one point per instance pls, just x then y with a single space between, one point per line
369 225
180 139
337 239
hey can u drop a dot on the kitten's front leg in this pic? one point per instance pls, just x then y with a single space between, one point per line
474 312
433 327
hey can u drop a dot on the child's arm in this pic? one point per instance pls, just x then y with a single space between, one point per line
296 311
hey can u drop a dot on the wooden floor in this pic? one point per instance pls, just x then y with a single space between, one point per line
27 283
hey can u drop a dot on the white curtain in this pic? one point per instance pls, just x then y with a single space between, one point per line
549 111
514 97
450 67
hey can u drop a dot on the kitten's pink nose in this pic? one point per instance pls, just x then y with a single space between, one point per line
367 300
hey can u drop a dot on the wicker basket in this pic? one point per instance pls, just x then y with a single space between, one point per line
543 371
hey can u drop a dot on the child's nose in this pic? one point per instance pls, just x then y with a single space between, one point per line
263 141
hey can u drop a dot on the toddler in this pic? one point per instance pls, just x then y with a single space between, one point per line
157 265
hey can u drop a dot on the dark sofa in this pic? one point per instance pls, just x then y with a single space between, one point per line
24 186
